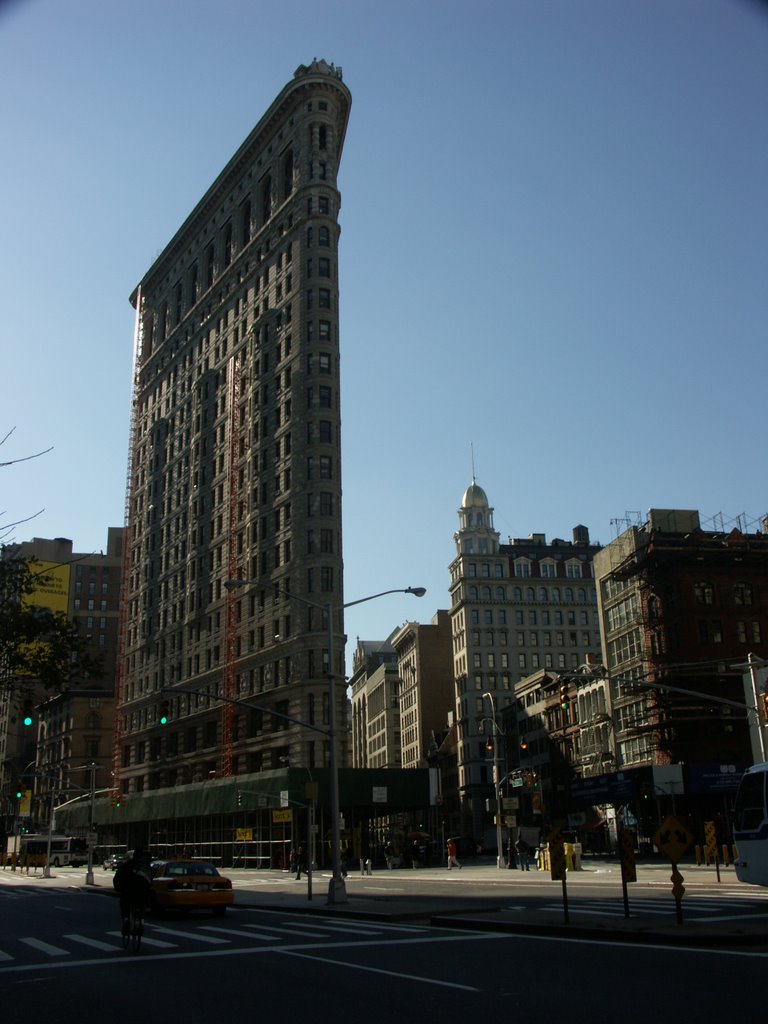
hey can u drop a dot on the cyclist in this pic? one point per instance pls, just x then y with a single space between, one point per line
132 880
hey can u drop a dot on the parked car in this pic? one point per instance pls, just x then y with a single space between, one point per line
189 885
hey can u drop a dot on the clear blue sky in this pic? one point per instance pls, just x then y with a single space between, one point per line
554 238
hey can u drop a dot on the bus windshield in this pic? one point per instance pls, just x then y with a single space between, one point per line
749 810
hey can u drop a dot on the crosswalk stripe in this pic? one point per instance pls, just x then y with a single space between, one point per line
85 940
146 940
45 947
288 931
338 927
5 956
194 936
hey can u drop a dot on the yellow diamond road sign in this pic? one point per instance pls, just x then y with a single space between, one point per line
673 839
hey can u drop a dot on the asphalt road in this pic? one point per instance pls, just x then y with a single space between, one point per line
61 960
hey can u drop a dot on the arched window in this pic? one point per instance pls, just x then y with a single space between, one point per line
704 592
568 594
542 594
530 594
556 595
473 593
517 594
500 594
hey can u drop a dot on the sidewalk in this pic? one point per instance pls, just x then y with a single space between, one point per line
462 909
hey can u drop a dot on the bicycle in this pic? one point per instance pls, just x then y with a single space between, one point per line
133 928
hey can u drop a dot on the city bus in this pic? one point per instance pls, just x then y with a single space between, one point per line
66 851
750 826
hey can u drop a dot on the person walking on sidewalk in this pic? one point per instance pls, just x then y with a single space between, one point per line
298 862
452 861
521 848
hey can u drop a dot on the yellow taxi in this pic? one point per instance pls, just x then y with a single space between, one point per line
189 885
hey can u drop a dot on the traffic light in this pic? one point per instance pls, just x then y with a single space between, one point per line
116 800
165 712
19 794
27 713
565 699
523 744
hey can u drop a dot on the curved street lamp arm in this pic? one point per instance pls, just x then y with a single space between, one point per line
416 591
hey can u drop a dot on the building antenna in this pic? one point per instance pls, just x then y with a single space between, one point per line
472 451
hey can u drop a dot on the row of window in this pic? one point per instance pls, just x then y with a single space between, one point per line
548 570
104 589
706 593
90 605
711 632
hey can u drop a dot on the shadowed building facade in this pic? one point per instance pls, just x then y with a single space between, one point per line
235 464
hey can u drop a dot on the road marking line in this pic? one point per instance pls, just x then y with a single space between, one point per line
378 970
45 947
730 917
136 961
5 956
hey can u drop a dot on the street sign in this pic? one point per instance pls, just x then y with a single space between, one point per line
517 783
279 817
556 854
627 854
673 839
710 836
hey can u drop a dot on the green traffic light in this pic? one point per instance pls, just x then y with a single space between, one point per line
27 721
18 794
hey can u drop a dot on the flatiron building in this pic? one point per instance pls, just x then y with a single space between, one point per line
235 465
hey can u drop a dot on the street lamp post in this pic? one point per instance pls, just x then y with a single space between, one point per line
337 891
496 782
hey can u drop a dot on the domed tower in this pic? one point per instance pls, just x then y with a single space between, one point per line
476 535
